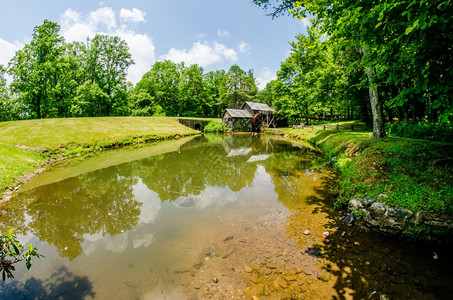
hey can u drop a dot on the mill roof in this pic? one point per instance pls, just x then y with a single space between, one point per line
238 113
258 106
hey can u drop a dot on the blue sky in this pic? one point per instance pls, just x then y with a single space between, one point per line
212 33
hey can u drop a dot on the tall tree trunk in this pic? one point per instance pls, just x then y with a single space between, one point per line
376 106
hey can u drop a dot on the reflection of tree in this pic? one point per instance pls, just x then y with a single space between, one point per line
60 285
293 174
61 214
174 175
102 202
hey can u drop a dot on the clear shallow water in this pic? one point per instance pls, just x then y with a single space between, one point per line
214 216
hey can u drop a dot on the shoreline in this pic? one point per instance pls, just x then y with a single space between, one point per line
364 163
26 177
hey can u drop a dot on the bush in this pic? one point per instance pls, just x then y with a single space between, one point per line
215 127
432 132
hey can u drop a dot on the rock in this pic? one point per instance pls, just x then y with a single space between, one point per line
382 196
282 282
267 290
181 270
349 220
197 285
307 232
228 238
400 213
255 290
367 201
291 277
228 252
355 204
418 218
248 269
271 266
254 278
267 272
323 276
325 234
378 209
215 280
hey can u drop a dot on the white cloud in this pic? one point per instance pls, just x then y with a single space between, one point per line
202 54
306 21
7 51
244 47
78 27
103 17
142 49
201 35
134 16
265 76
222 33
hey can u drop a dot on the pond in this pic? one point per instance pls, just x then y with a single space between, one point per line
213 216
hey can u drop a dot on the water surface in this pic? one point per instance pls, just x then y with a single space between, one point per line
207 217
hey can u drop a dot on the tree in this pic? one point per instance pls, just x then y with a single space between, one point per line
54 79
36 69
312 81
213 81
237 87
105 61
162 83
9 109
193 93
143 104
405 50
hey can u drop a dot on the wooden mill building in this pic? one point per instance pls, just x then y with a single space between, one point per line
251 117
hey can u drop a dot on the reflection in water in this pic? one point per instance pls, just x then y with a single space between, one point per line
219 216
62 284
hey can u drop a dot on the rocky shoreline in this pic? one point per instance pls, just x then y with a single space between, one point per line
374 214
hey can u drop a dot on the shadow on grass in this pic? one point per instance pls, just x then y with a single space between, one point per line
61 285
368 265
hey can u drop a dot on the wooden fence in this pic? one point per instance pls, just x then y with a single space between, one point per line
325 126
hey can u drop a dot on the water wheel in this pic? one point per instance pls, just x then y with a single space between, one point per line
257 122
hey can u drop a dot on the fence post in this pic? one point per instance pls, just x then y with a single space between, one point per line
338 127
323 127
352 126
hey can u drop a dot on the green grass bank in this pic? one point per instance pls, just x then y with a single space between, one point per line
26 146
415 174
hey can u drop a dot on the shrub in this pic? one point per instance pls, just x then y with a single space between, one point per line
215 127
432 131
12 252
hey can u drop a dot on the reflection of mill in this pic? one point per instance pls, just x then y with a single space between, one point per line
184 191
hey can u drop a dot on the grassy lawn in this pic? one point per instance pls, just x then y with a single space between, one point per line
415 174
51 134
27 145
14 162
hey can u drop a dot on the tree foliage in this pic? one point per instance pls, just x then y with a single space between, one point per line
177 90
237 87
51 78
404 48
12 252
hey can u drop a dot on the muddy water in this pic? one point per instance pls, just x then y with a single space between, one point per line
236 217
